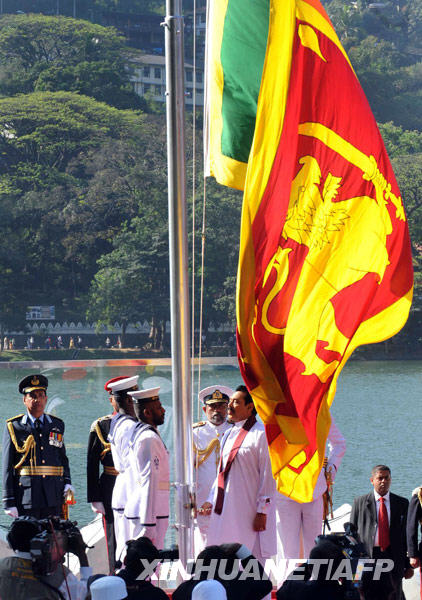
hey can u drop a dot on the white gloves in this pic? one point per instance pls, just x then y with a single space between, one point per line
68 487
12 512
98 507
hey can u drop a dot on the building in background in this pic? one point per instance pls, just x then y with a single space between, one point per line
148 76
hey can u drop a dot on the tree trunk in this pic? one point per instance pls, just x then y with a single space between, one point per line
154 333
161 336
123 336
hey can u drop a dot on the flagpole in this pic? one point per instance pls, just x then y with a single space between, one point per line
179 285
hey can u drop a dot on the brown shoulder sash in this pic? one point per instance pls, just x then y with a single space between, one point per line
223 473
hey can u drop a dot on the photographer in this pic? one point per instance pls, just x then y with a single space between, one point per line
219 563
36 570
140 550
321 587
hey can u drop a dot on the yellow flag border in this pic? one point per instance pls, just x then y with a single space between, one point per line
226 170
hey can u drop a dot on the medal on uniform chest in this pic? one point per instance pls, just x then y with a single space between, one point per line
55 439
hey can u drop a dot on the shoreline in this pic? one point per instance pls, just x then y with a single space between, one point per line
165 361
112 362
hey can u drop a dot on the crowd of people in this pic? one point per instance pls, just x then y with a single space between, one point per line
57 342
240 517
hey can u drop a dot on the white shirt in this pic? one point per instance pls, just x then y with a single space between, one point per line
249 489
148 479
265 492
378 504
33 419
121 429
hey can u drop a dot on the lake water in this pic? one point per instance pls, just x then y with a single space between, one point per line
377 407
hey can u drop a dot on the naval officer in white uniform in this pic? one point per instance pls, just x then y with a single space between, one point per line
241 503
295 518
207 437
147 507
121 427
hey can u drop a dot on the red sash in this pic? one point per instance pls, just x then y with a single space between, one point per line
223 473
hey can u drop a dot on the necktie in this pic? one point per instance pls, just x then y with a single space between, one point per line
383 526
37 425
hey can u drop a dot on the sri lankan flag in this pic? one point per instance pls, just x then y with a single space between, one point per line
325 259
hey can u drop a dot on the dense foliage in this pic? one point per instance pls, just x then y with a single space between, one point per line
83 187
39 53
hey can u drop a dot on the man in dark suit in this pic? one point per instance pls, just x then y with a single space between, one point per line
35 466
380 518
414 521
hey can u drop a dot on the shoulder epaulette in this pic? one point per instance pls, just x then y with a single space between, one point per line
14 418
94 424
199 424
57 418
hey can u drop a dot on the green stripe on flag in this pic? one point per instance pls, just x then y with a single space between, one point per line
242 57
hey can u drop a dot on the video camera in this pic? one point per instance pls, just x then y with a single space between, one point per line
354 550
49 547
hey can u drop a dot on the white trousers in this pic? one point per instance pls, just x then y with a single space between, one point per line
156 534
256 552
121 531
294 519
200 532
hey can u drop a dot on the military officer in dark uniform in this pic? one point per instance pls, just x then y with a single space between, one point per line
414 520
35 466
100 485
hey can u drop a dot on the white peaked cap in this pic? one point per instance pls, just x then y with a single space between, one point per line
144 394
108 588
209 590
123 384
213 390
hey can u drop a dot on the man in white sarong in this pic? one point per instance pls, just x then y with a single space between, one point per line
207 437
295 518
242 501
121 427
147 507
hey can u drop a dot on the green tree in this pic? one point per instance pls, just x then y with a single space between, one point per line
408 170
132 6
50 146
392 86
399 141
14 272
133 280
42 133
347 21
222 232
40 53
384 47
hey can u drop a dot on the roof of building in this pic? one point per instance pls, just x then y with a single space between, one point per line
152 60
